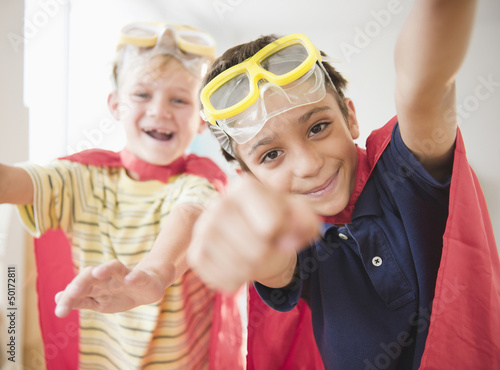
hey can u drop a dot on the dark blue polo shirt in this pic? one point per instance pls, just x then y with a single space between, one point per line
370 284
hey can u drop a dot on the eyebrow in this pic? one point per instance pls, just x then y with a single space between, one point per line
264 141
306 116
302 119
151 84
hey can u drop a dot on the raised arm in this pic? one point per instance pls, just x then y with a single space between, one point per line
430 50
167 259
15 185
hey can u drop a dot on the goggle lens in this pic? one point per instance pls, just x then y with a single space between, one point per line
140 31
285 60
274 100
231 93
194 38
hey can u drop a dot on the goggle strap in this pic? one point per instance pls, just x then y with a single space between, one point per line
223 139
327 75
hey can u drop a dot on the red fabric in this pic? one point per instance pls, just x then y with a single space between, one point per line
465 322
226 336
55 270
189 164
280 340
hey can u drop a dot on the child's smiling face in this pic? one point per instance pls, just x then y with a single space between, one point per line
158 106
308 151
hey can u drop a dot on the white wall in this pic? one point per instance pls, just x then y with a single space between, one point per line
13 148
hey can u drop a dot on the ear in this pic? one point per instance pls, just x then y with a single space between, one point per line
202 127
353 120
113 103
237 168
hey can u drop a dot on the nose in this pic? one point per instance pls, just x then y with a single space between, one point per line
158 108
307 161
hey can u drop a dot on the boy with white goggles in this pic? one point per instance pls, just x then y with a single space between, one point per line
286 74
139 305
392 276
194 48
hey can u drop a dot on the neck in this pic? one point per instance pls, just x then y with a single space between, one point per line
141 170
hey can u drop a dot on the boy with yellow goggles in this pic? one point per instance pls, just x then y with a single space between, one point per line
283 75
379 276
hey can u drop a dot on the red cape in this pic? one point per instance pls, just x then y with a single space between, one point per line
465 322
55 270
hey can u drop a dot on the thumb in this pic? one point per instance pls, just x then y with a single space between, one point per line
137 277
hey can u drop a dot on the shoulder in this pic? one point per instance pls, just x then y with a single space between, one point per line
190 181
95 157
208 169
398 162
61 168
379 139
188 188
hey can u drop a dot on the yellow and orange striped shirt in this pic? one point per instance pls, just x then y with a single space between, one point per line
107 215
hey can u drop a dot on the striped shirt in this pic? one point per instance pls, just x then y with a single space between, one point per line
107 215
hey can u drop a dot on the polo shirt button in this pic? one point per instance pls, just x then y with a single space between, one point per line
343 236
376 261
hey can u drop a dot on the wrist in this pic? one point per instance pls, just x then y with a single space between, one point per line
284 274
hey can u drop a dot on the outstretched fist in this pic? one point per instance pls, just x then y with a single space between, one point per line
251 233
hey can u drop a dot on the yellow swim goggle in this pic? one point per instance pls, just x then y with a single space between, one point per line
188 39
281 76
193 47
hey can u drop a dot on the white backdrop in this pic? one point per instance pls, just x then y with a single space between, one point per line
360 35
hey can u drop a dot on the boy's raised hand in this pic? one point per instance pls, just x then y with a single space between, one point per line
251 233
430 50
109 288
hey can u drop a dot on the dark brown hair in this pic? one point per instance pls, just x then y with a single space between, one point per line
240 53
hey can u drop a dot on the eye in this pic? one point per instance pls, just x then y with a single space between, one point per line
179 101
318 128
271 156
141 95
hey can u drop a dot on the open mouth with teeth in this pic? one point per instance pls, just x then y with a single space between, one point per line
159 134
